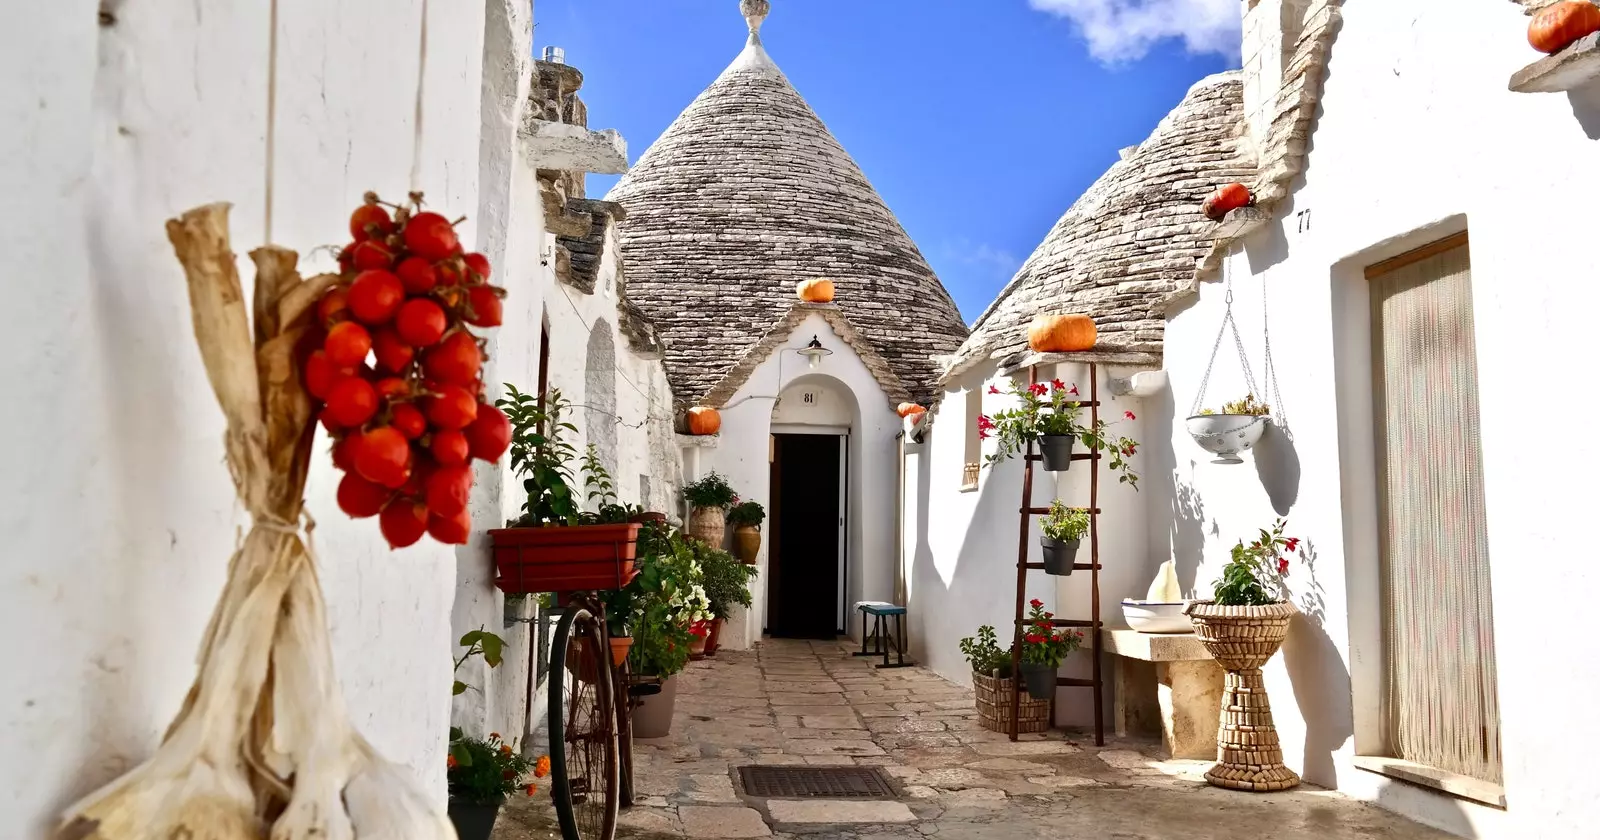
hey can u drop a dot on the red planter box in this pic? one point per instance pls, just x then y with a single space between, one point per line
564 559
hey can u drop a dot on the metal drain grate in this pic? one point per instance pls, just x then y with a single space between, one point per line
821 782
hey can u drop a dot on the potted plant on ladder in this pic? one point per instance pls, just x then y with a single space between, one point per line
1063 529
1043 647
1242 626
1048 415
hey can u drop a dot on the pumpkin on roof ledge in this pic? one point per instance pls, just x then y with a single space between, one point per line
1062 333
819 290
1227 199
704 420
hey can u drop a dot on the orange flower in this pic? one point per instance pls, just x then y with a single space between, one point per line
450 761
505 749
494 735
541 768
531 789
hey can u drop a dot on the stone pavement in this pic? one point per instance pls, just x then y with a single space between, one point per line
812 703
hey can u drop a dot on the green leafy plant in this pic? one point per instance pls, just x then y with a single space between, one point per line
484 771
1065 524
479 642
727 581
670 597
1042 642
1053 409
1249 405
711 491
747 513
602 493
984 654
1255 572
541 453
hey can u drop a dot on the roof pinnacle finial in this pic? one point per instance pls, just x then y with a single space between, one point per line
755 11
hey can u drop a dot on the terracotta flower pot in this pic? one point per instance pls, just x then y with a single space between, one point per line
747 543
652 718
697 647
619 649
709 525
712 640
1241 639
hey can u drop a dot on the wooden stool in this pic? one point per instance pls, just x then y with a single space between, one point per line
880 612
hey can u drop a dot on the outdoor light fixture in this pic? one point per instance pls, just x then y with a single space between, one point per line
814 353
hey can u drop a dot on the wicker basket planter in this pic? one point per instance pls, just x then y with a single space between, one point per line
994 706
1241 640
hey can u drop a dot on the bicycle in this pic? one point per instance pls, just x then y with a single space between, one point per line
591 701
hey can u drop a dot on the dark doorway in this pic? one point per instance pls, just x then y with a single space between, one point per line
803 595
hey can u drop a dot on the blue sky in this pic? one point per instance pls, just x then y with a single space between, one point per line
979 121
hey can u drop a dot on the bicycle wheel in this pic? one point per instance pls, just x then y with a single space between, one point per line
583 729
624 704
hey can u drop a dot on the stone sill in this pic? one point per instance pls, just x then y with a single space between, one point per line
1572 68
1102 356
558 146
698 441
1153 647
1445 781
1241 223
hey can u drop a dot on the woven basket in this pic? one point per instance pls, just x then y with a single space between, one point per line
709 525
1241 640
994 706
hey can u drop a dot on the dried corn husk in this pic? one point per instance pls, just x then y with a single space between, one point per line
263 746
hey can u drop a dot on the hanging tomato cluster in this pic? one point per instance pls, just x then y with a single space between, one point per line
398 376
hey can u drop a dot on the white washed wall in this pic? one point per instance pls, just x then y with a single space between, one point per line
741 455
121 516
961 546
1419 138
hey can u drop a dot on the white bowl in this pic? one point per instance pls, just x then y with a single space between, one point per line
1226 435
1156 616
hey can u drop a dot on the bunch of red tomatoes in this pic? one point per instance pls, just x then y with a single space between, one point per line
398 375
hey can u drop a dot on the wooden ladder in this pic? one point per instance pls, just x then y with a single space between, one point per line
1092 625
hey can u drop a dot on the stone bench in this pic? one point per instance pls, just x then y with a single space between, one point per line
1168 683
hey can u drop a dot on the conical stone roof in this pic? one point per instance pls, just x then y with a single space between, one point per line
745 195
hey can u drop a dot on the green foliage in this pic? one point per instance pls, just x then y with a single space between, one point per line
747 513
1065 524
1254 574
1053 409
1249 405
727 581
668 596
602 493
711 491
540 453
484 771
984 654
479 642
1042 642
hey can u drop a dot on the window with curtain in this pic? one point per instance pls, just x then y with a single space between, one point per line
1440 702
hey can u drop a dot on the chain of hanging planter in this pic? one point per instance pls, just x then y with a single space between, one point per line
1237 425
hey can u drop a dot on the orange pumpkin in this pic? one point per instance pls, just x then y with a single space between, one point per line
1554 28
1225 200
911 410
1061 333
819 290
704 420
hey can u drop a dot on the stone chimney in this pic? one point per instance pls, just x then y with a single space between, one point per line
1271 30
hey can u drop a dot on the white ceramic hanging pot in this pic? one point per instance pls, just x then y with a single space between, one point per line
1226 435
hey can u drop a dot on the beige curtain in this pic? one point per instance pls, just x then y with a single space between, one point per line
1441 706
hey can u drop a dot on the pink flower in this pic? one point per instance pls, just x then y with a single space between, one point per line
993 390
1129 415
1074 390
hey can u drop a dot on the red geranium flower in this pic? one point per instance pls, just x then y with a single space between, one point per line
1033 639
1129 415
1074 390
1058 385
1283 566
1294 543
1038 389
1036 603
993 390
984 422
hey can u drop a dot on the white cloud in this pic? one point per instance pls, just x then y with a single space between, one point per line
1125 30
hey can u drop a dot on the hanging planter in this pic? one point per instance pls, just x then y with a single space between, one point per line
1047 415
1232 430
1057 452
1064 529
